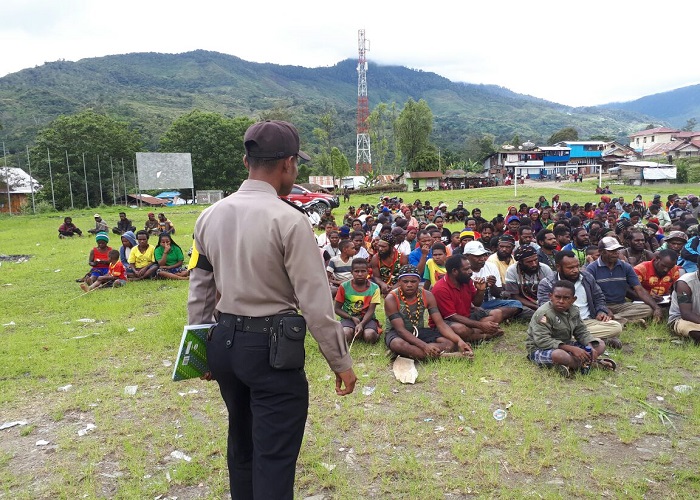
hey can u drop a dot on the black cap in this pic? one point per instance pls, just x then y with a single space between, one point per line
273 139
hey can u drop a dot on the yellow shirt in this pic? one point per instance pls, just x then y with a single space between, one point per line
144 259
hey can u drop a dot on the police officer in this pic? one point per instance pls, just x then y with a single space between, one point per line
258 258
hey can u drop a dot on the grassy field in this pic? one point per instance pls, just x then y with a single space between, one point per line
67 358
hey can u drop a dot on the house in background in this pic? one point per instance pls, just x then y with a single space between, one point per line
584 157
523 160
616 153
421 181
639 141
16 189
666 142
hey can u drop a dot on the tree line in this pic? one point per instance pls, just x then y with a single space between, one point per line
87 159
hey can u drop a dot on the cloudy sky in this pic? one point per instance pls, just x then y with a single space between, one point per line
574 53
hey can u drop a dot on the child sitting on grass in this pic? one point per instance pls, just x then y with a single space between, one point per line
356 302
550 331
115 277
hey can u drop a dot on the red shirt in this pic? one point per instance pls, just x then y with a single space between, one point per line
452 300
652 283
117 270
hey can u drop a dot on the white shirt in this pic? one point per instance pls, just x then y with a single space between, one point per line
322 240
362 253
489 269
581 299
404 248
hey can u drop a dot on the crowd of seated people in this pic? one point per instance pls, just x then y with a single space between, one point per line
602 266
135 259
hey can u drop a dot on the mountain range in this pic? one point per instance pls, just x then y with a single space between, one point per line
150 90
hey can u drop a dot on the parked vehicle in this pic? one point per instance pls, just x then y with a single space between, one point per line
304 196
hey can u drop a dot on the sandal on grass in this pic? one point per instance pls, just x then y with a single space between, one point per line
605 364
563 371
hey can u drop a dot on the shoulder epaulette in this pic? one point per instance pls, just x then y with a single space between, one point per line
293 205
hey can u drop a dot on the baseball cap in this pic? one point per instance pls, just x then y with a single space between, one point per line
506 238
610 243
272 139
398 231
344 231
676 235
96 216
466 232
474 248
512 218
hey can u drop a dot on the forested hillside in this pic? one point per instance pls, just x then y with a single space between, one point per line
151 90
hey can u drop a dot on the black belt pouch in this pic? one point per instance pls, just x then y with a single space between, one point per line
287 342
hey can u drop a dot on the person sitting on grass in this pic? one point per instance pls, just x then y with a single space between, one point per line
142 260
115 277
406 333
68 229
435 266
98 258
100 226
123 225
385 264
164 225
170 258
684 313
356 302
128 242
550 331
339 269
151 225
454 295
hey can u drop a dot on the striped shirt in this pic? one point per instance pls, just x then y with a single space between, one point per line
614 282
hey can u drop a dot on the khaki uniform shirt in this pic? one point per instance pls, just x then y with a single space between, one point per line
265 262
549 328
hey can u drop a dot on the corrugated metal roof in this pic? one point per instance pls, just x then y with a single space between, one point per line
657 130
149 200
19 181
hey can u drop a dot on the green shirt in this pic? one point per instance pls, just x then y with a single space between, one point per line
549 328
175 255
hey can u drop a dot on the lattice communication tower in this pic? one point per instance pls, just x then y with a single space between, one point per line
363 164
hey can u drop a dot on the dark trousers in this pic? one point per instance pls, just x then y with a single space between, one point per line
267 413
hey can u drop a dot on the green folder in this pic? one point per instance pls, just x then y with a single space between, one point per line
191 359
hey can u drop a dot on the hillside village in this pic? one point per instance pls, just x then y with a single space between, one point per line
649 156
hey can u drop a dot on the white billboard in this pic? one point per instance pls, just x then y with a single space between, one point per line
164 170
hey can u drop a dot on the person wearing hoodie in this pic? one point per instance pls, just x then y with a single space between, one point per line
128 242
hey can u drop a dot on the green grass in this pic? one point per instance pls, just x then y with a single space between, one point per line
435 439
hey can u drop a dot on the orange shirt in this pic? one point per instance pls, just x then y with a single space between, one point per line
652 283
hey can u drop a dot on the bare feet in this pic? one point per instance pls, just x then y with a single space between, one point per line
84 287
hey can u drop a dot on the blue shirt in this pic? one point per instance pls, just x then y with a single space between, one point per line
415 255
615 282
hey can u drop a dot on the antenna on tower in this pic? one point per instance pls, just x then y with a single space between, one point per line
363 164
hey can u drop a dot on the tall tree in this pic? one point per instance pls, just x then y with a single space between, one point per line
381 132
413 129
216 145
478 148
689 125
565 134
340 167
325 135
93 135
